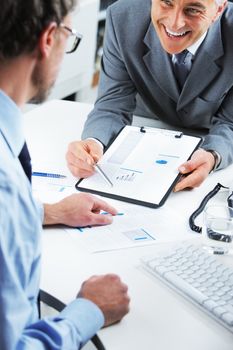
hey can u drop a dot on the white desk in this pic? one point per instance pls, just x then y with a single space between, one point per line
159 318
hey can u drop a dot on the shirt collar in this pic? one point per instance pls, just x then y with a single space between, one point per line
194 47
11 124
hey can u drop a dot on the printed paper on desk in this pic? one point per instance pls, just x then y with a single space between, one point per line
136 227
142 164
51 190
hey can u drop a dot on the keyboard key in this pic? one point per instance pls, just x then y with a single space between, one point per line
228 318
219 311
229 308
210 304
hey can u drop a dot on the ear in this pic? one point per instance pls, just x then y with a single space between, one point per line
220 10
47 40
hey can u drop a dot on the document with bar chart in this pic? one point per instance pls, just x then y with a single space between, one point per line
141 165
132 227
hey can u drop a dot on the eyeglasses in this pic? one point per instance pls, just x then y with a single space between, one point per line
73 40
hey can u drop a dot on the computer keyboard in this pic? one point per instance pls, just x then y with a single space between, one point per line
199 276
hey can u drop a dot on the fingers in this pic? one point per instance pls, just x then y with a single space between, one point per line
102 205
81 157
79 169
195 179
98 218
199 158
93 207
189 166
79 161
110 294
196 169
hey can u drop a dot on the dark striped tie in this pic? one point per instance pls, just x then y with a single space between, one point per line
25 160
182 66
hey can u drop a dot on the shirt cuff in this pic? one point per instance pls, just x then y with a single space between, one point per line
86 317
217 159
97 141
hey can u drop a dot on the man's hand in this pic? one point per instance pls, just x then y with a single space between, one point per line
109 294
82 155
78 210
197 168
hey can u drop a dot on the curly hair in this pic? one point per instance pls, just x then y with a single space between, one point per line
22 21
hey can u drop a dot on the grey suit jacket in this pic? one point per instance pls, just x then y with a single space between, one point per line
134 62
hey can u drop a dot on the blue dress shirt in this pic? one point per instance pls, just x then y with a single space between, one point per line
20 230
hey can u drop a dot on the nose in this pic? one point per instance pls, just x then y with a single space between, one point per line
177 20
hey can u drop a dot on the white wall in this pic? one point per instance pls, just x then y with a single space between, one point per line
78 67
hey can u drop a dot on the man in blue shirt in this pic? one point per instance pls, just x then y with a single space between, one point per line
33 38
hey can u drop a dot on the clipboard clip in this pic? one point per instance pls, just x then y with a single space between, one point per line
177 134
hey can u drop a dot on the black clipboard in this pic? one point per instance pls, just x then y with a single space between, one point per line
142 165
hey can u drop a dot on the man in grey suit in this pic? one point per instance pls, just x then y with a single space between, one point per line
142 41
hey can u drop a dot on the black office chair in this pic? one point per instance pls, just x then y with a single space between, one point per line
58 305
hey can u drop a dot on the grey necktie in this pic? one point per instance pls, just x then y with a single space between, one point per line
182 65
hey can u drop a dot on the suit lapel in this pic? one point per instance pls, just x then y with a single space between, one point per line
159 64
204 69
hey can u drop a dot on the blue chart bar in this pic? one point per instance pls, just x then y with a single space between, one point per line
82 229
106 213
139 235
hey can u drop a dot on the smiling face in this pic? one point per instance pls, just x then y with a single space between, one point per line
180 23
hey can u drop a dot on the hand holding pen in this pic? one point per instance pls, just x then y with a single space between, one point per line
82 156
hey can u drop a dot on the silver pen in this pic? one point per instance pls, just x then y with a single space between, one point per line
104 176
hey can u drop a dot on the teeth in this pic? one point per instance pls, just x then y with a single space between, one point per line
174 33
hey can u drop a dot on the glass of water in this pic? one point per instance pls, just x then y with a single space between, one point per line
218 229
